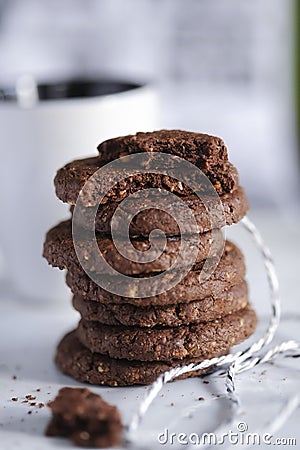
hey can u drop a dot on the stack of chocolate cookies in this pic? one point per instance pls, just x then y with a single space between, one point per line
124 340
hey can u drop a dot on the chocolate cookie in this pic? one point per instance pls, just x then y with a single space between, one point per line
235 207
71 178
60 252
85 418
207 309
75 360
230 271
166 344
209 153
197 148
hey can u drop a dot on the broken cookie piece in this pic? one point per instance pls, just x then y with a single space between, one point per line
85 418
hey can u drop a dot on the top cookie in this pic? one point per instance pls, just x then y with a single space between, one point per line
200 149
208 153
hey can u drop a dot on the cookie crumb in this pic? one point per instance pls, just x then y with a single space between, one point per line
41 405
29 412
38 390
14 377
30 397
201 398
205 382
14 399
85 418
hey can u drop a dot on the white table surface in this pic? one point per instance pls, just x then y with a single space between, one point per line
29 333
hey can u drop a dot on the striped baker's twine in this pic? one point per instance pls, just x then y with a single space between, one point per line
244 361
239 361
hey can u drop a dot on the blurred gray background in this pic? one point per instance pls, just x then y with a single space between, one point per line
225 68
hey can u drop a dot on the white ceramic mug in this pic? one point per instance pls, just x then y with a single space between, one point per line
36 142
